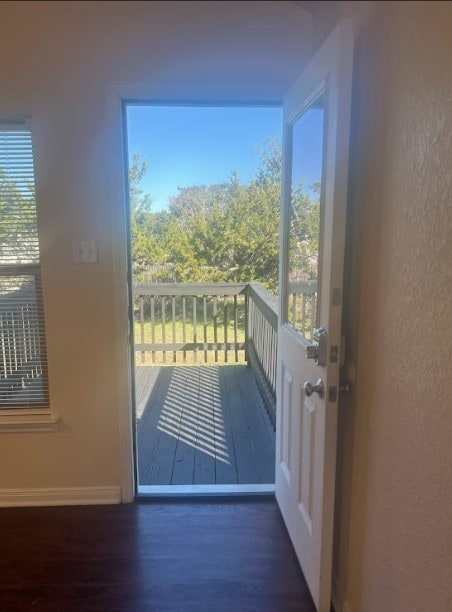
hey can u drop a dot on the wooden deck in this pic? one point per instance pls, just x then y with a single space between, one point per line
202 425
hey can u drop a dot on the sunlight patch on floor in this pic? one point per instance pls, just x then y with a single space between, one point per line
201 424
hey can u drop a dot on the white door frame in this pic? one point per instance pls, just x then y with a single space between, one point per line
117 96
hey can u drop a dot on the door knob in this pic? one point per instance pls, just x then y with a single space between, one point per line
318 388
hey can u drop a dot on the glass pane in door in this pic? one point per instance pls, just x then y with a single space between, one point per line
305 219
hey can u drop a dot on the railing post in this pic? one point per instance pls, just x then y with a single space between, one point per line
247 320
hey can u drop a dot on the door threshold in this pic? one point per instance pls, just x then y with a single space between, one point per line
207 490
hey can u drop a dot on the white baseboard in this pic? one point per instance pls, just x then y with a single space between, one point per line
338 597
78 496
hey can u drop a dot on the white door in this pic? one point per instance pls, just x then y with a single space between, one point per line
315 164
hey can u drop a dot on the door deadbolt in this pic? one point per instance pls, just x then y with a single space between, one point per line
317 350
318 388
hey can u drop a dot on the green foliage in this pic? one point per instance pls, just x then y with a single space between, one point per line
18 232
304 233
225 232
147 228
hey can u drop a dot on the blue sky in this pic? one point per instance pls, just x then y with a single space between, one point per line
197 145
308 147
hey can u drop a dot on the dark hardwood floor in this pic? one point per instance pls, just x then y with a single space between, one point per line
222 555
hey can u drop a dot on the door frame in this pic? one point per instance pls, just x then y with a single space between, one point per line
118 96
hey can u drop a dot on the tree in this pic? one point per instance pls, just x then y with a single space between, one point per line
228 231
147 228
304 232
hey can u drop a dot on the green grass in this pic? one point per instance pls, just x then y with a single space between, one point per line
143 333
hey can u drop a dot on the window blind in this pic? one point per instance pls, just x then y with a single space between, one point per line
23 359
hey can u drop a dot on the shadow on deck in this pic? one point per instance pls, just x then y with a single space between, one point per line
202 425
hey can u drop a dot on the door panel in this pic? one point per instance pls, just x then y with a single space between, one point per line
286 426
307 442
315 165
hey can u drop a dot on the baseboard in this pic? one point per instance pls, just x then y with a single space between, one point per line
340 604
77 496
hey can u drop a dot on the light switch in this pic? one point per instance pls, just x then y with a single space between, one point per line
85 251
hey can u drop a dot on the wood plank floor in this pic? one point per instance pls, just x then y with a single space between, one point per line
214 556
202 425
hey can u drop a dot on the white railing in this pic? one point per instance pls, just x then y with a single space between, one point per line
190 323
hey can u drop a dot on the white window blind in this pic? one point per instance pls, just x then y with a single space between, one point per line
23 359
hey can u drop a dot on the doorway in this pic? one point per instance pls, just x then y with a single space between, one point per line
325 85
204 201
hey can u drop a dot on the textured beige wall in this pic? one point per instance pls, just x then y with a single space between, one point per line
394 498
58 63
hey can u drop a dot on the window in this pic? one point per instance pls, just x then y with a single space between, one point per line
23 359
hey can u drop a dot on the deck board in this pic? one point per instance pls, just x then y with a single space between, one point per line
264 454
247 470
226 469
184 460
151 392
206 448
202 425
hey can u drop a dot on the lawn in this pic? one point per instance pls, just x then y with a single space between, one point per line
207 329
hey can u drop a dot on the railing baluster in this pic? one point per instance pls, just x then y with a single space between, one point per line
247 324
12 345
215 330
164 326
225 322
24 335
204 308
14 335
19 339
274 364
195 335
313 313
272 358
34 334
303 314
3 371
143 353
8 369
184 331
27 332
235 330
257 335
173 316
153 327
